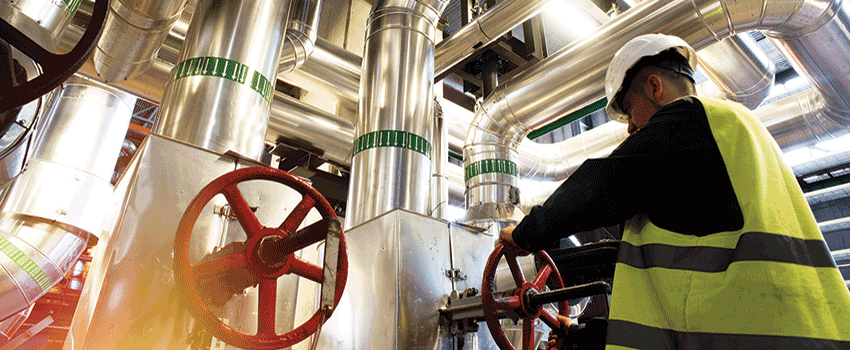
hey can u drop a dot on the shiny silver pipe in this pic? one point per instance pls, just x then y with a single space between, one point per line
300 34
132 35
574 77
220 94
440 161
57 206
391 164
41 21
739 71
311 128
800 120
330 69
482 31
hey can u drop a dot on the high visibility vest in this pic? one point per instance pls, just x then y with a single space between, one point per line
771 285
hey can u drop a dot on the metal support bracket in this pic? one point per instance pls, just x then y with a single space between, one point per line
454 274
331 260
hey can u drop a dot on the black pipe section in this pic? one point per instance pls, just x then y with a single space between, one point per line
580 291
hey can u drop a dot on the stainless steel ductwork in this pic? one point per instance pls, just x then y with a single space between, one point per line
391 162
574 76
330 69
439 166
16 141
132 35
220 94
311 128
41 21
482 31
739 70
801 120
57 206
300 34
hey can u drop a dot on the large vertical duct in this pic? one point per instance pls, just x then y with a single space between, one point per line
739 69
301 33
220 94
439 164
574 77
42 21
132 35
57 206
391 163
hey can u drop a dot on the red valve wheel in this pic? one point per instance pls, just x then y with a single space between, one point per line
187 275
517 303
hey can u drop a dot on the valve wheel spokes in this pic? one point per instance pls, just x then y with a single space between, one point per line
515 303
56 68
247 257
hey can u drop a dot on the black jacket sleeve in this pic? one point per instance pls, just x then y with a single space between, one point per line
670 170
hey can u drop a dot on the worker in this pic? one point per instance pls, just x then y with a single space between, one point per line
719 247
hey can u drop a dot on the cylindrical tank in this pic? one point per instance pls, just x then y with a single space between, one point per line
42 21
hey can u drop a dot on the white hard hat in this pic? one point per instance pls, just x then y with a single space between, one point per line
637 48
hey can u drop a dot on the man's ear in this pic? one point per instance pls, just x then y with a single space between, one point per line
655 88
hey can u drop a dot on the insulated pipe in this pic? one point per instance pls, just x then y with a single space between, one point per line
220 94
330 69
391 164
482 31
311 128
58 205
42 21
439 177
132 35
574 76
739 69
300 34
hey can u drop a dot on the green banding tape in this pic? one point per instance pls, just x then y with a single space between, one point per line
73 5
392 138
502 166
227 69
569 118
22 260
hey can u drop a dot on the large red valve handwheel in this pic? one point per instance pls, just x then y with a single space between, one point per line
187 275
518 303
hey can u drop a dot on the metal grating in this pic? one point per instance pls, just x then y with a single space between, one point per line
144 113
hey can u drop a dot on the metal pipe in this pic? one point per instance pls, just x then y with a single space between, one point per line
220 94
311 128
439 178
739 71
300 34
58 205
330 69
41 21
482 32
574 76
132 35
391 163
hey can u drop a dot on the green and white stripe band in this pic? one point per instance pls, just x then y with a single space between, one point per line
392 138
486 166
73 5
22 260
227 69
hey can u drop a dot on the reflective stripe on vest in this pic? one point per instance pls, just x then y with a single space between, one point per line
771 285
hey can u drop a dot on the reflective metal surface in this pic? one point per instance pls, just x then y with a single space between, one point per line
132 35
85 127
41 21
300 34
57 205
482 31
311 127
739 69
15 143
574 76
330 69
396 284
440 161
228 111
131 286
396 95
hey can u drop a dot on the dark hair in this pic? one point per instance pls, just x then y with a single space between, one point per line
670 60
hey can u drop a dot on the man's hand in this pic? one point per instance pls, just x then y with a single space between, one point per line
557 337
506 237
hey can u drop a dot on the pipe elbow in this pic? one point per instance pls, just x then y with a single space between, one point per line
298 46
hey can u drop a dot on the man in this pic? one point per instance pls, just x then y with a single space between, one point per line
720 248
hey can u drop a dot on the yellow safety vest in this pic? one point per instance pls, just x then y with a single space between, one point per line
771 285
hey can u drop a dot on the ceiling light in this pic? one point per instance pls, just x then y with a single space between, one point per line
570 17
